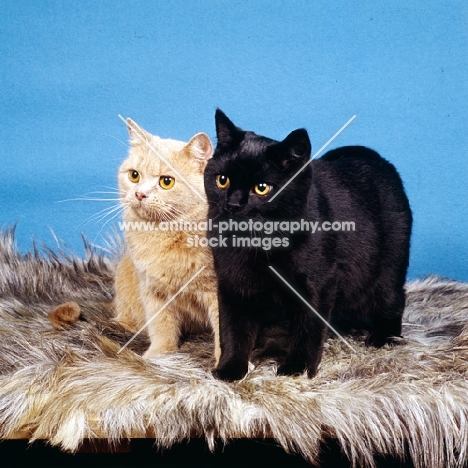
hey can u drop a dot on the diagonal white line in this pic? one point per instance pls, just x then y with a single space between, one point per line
312 309
333 137
161 309
312 158
202 198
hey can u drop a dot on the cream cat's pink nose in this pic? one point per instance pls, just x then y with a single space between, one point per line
140 195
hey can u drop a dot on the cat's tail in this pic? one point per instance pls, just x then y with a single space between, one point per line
65 315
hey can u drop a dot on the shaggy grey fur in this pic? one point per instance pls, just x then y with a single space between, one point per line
64 386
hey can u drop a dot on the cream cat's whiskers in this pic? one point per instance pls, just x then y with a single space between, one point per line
162 211
115 138
114 211
110 212
83 198
113 189
103 214
105 193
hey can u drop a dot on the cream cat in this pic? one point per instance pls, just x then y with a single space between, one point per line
161 181
158 263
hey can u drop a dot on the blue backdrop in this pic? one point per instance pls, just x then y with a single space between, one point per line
67 69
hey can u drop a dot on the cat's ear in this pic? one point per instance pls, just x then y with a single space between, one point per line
226 132
294 150
200 148
136 133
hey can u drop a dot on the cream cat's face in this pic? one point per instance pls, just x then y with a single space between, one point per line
162 179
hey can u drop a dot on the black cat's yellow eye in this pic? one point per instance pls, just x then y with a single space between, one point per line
166 182
223 181
134 176
262 189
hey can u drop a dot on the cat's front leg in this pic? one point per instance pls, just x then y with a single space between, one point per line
308 334
213 316
238 332
306 350
162 324
129 310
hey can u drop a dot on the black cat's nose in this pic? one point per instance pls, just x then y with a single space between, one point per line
233 206
235 201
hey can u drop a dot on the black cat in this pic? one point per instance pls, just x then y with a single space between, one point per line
353 278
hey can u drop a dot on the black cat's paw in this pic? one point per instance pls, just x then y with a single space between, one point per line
230 373
377 341
294 368
290 370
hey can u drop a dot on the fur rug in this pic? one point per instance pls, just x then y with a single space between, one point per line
64 386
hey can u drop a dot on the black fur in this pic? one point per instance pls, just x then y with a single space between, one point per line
353 279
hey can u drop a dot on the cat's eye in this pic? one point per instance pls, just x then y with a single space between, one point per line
223 181
134 176
262 189
166 182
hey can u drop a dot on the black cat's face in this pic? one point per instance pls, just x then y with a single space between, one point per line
247 171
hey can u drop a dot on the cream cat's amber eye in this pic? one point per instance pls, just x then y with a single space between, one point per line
166 182
223 181
134 176
262 189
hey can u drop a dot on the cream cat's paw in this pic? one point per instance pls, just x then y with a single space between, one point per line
154 351
128 324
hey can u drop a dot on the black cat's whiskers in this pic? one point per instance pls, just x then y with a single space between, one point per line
218 215
278 230
262 237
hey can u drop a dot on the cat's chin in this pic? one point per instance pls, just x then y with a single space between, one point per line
150 215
